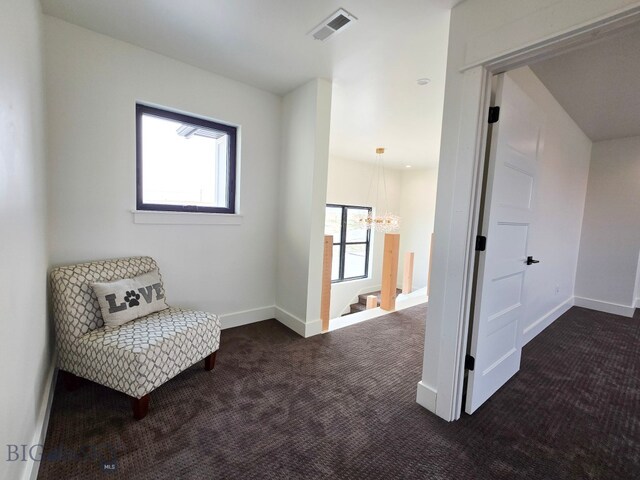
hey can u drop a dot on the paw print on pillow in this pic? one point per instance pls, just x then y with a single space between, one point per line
132 298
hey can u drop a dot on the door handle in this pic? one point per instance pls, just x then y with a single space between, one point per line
531 261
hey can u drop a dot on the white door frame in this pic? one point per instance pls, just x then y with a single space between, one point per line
470 149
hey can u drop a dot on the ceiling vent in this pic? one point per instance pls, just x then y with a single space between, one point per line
337 22
188 131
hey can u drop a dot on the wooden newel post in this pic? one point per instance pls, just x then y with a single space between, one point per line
390 271
407 280
325 302
372 301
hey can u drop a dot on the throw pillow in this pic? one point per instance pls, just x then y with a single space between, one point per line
124 300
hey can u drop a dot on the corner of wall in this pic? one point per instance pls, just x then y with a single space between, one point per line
318 196
426 396
304 170
301 327
604 306
637 289
42 420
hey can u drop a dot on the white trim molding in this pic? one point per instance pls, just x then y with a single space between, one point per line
32 466
607 307
464 136
454 249
236 319
147 217
289 320
574 36
302 328
313 327
547 319
426 396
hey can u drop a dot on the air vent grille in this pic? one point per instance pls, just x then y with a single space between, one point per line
338 21
323 33
188 131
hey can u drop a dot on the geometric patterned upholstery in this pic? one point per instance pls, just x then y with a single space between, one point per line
134 358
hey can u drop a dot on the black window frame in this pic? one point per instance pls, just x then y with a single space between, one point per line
230 130
342 243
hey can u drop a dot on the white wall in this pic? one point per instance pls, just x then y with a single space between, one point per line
554 233
610 244
478 31
350 183
418 208
303 190
637 290
92 85
410 194
25 350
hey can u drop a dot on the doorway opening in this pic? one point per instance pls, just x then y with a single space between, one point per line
559 206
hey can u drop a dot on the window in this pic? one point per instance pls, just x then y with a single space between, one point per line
184 163
351 241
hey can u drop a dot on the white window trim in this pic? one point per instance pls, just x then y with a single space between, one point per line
150 217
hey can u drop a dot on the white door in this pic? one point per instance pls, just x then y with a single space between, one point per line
499 296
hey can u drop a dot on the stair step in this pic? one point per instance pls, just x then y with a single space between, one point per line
363 298
357 307
361 305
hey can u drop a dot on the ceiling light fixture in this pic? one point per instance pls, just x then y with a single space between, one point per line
407 166
387 222
337 21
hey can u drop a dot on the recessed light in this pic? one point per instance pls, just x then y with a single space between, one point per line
424 81
407 166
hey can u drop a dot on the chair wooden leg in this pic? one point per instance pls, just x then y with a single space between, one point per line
210 361
71 382
140 407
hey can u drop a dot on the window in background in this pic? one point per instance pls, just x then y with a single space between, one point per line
351 241
184 163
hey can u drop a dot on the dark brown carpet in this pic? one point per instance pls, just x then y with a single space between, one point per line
342 405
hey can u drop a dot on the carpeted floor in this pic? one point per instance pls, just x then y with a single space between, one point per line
342 405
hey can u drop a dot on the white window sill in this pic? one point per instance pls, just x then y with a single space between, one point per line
148 217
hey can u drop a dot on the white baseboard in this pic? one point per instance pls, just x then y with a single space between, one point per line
289 320
236 319
607 307
313 327
417 293
302 328
547 319
426 396
42 422
352 319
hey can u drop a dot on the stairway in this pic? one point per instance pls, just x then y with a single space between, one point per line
362 301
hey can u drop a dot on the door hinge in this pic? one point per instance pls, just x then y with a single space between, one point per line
469 362
494 114
481 243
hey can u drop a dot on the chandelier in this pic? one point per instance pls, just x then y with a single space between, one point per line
387 222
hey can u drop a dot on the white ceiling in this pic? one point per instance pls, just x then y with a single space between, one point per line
599 85
374 64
